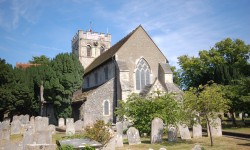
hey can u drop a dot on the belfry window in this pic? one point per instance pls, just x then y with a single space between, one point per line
142 74
106 108
89 51
102 49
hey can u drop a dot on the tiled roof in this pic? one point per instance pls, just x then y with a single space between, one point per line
109 53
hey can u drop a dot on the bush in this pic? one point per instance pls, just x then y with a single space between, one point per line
98 132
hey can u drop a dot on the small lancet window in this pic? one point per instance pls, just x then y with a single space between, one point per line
106 108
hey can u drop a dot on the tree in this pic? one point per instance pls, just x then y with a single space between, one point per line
226 61
141 111
43 60
207 101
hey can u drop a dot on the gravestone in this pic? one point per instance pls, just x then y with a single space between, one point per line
5 129
15 127
215 125
119 131
184 132
32 120
61 122
197 130
78 125
52 128
15 118
28 138
43 137
156 130
70 128
41 147
197 147
119 128
26 119
133 136
41 123
172 133
30 128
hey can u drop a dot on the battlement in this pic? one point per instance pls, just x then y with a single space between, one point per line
91 36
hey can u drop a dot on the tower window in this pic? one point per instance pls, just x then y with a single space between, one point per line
106 108
89 51
142 74
102 49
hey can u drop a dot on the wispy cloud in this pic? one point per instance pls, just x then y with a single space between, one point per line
47 48
12 11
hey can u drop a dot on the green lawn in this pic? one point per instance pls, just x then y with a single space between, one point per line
220 143
238 130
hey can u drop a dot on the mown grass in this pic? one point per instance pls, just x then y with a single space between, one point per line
220 143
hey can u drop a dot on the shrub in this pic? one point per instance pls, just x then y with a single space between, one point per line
66 147
98 132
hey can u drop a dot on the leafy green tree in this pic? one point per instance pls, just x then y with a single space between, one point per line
226 61
6 79
141 111
176 75
43 60
207 101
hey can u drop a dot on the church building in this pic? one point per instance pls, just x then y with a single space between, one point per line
133 65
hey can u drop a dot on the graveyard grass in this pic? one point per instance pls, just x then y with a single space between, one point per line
220 143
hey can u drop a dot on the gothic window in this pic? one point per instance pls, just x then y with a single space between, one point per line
89 53
102 49
96 78
106 69
106 108
142 74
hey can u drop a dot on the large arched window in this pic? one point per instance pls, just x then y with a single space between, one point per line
142 74
89 51
106 108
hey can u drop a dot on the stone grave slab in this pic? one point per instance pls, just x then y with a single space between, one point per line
79 125
215 125
184 132
133 136
70 128
61 122
197 131
156 130
172 133
15 127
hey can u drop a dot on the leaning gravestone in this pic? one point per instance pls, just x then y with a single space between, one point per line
184 132
215 125
119 138
61 122
70 128
172 133
156 130
133 136
197 131
15 127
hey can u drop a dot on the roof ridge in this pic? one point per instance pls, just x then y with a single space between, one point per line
110 52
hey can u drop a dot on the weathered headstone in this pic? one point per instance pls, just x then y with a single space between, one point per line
184 132
15 118
197 147
28 138
32 120
5 129
43 137
172 133
133 136
52 129
197 131
70 128
78 125
41 123
156 130
15 127
119 138
26 119
215 125
61 122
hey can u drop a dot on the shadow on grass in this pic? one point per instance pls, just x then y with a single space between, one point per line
245 144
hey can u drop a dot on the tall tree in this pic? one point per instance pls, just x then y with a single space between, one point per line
40 60
207 101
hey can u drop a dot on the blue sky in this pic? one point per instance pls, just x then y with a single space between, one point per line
45 27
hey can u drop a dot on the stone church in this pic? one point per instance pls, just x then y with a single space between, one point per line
133 65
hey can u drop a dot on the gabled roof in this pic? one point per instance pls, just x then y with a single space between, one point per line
109 53
166 68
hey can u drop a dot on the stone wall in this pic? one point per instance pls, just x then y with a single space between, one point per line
94 106
101 75
138 46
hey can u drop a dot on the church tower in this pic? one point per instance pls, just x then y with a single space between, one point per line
89 45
